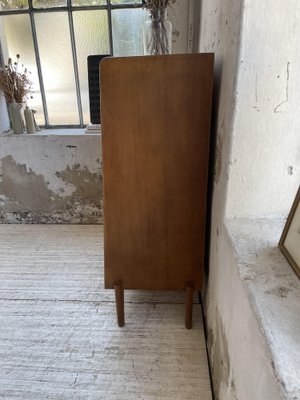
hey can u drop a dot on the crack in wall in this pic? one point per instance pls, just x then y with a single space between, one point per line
286 88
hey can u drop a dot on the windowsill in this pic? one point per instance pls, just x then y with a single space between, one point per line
274 292
53 132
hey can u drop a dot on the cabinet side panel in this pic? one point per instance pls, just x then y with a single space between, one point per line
155 121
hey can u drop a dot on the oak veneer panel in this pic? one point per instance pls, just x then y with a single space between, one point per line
155 113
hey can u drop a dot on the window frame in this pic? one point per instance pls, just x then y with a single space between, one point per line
69 8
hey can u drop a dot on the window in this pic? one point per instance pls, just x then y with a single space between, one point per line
54 38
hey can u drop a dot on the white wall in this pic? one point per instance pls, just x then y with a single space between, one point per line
220 33
184 26
264 169
256 173
4 121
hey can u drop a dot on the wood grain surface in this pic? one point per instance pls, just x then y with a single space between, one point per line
155 123
59 339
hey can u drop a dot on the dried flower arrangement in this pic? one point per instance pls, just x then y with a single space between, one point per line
13 4
15 84
159 42
157 8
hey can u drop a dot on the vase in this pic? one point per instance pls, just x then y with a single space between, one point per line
157 35
29 120
16 117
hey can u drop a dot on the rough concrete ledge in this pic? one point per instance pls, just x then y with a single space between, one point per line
274 293
51 132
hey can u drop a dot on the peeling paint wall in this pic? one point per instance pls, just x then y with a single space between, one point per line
50 179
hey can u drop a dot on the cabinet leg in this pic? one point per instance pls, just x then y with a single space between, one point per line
189 306
119 295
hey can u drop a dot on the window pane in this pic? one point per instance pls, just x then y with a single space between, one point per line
128 31
126 1
13 4
79 3
17 39
57 67
91 33
49 3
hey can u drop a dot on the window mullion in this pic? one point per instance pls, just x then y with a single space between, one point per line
75 63
38 63
109 6
111 44
2 62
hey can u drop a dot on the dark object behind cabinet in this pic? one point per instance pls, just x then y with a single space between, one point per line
94 87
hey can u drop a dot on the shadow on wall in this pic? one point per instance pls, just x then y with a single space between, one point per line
220 360
215 161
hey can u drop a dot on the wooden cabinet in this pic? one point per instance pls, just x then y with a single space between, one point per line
155 113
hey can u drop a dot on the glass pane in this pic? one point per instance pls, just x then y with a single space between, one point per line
91 34
49 3
79 3
17 39
13 4
57 67
126 1
127 27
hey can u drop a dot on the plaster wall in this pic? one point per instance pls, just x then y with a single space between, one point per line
241 363
4 121
256 173
220 30
184 16
264 171
220 34
50 178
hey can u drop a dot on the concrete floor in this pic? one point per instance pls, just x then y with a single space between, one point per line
59 338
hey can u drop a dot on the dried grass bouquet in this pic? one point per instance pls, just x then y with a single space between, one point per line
157 8
158 40
15 84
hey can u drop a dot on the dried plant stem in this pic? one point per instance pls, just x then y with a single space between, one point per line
15 84
158 44
7 87
159 39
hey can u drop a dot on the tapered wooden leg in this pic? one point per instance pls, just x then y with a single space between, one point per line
119 295
189 306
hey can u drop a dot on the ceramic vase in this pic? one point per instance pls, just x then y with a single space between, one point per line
16 117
